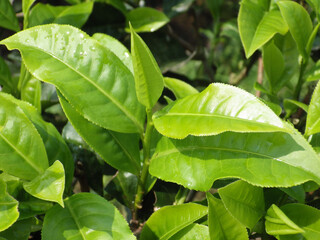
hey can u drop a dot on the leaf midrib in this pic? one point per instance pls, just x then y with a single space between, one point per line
75 219
113 100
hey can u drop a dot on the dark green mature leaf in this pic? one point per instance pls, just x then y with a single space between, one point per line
217 109
22 152
263 159
75 15
49 185
192 232
117 149
145 19
299 23
257 25
244 201
313 117
8 208
85 216
118 4
5 77
222 225
147 75
91 77
296 192
180 88
116 47
168 220
8 18
277 223
21 229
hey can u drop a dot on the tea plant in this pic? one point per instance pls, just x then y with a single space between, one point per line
255 168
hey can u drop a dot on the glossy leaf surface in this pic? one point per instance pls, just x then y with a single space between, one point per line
257 25
92 78
8 208
145 19
8 18
299 23
263 159
313 117
244 201
222 225
75 15
179 88
147 75
117 149
167 221
22 152
217 109
116 47
86 216
192 232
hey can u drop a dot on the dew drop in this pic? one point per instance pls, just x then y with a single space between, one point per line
126 54
92 48
67 32
152 29
81 35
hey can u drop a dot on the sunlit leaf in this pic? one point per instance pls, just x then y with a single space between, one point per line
192 232
313 117
180 88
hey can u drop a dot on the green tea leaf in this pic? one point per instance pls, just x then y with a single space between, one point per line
313 117
91 77
118 4
192 232
222 225
217 109
22 152
168 220
8 208
8 17
299 23
49 185
147 75
116 47
273 63
277 223
75 15
117 149
26 5
31 90
296 192
85 216
20 230
5 77
257 25
262 159
244 201
179 88
145 19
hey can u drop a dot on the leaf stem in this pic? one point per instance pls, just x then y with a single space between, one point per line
296 94
145 168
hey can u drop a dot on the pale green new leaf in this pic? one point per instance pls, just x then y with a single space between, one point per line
192 232
217 109
86 216
147 75
169 220
116 47
75 15
257 25
117 149
179 88
264 159
277 223
8 17
299 23
313 117
90 76
244 201
8 208
222 225
49 185
22 152
145 19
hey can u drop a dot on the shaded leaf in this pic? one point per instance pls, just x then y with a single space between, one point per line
85 216
262 159
31 90
20 230
296 192
145 19
117 149
168 220
179 88
86 73
244 202
5 77
217 109
8 17
222 225
147 75
313 117
118 4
